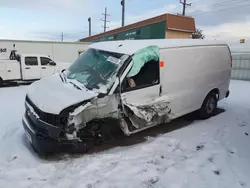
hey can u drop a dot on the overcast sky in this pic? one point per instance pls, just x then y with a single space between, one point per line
45 20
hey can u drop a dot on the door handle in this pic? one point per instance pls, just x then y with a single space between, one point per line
27 68
43 67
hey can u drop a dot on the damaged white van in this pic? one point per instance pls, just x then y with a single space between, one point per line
130 85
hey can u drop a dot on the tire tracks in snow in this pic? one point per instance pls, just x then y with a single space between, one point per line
222 137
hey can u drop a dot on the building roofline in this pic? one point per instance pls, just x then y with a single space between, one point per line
157 19
40 41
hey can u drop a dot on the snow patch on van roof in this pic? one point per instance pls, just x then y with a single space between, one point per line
131 46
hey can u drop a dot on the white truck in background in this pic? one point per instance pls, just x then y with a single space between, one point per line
31 60
28 67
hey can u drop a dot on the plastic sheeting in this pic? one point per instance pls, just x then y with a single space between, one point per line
141 57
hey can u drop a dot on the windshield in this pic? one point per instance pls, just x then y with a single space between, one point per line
96 69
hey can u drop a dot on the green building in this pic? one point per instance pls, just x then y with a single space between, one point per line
160 27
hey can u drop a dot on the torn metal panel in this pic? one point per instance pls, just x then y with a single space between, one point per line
155 112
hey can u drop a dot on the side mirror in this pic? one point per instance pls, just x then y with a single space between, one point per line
52 63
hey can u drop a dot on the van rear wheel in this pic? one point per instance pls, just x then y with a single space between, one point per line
209 106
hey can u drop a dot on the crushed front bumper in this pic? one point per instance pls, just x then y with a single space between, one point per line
45 138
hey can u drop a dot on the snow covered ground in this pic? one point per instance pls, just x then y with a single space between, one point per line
185 153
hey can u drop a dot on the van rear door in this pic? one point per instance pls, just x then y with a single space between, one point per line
30 68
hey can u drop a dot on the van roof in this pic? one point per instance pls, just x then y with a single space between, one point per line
131 46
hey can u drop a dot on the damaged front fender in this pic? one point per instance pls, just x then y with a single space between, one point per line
96 109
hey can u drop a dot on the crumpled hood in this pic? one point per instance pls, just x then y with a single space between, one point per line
51 95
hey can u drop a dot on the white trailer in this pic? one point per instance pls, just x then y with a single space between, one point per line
58 51
32 60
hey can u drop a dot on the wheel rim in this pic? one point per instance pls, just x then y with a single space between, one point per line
211 104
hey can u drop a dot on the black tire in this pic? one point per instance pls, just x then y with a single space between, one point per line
209 106
1 82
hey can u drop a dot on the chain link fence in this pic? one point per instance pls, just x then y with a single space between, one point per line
241 66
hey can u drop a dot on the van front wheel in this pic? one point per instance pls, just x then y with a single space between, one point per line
209 106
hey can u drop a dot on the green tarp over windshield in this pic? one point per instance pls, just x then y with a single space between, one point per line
141 57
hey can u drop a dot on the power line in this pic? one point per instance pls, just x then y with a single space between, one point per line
222 9
105 19
136 3
149 3
185 5
221 4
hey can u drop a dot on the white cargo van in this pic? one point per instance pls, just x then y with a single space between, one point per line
28 67
131 85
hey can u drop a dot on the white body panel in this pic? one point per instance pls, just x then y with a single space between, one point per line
131 46
10 70
13 70
190 73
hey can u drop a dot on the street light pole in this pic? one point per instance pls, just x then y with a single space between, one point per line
123 12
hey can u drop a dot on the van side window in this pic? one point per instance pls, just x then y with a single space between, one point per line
45 61
149 75
31 61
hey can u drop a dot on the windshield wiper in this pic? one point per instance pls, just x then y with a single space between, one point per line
78 84
75 86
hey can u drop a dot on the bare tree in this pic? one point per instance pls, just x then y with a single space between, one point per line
198 34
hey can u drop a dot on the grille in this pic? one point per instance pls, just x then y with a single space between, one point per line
52 119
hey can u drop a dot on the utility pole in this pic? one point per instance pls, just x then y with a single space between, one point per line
123 12
89 20
185 5
62 37
105 19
